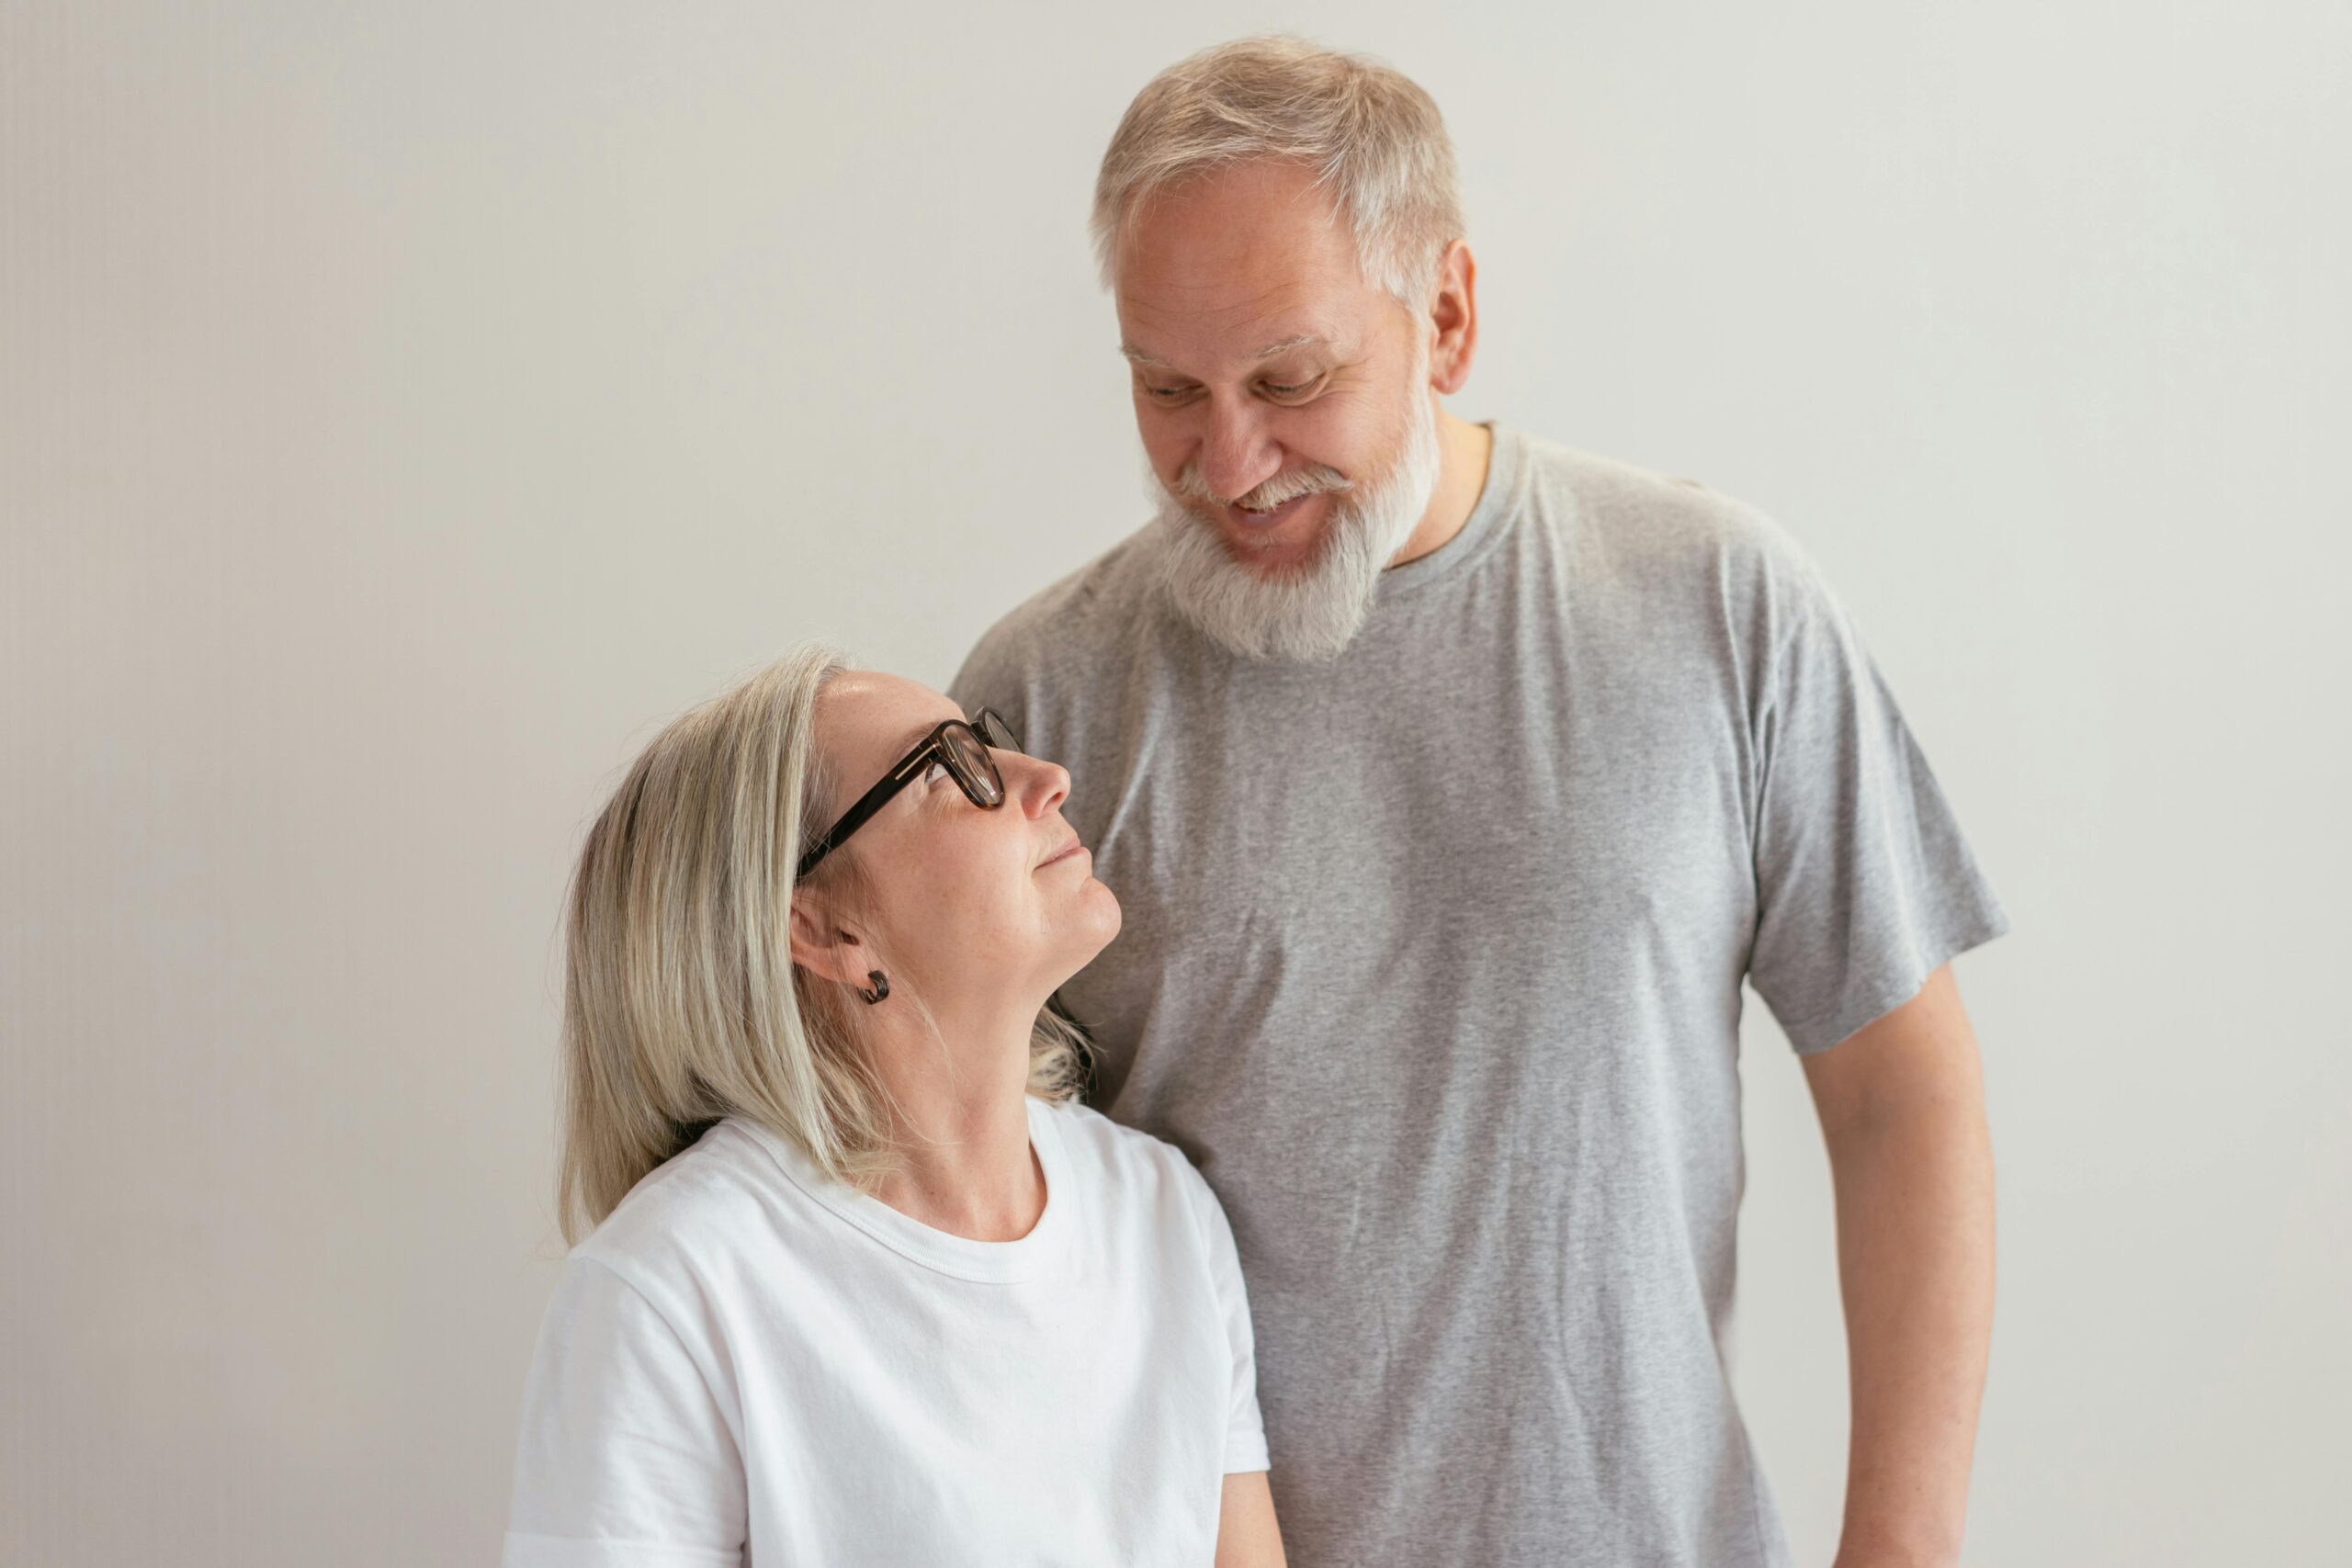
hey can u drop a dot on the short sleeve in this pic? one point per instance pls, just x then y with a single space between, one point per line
625 1456
1245 1429
1864 884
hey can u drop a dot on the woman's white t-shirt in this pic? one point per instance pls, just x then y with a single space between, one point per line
749 1363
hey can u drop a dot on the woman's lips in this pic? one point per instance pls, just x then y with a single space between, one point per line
1072 848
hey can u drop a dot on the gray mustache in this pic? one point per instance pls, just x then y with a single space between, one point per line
1315 479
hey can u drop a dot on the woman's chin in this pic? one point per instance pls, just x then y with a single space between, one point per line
1096 923
1113 916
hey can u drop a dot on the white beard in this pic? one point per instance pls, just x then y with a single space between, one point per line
1311 615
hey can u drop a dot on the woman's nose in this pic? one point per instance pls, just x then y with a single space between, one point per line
1042 785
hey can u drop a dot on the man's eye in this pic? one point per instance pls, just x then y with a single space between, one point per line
1164 394
1300 388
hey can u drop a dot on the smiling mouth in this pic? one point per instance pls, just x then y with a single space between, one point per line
1266 517
1073 847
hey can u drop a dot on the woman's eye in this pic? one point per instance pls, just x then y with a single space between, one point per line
934 772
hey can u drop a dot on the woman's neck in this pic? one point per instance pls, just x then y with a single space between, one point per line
960 1121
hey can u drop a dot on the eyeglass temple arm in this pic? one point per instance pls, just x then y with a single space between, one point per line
872 801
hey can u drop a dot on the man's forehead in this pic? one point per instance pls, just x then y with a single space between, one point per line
1224 275
1196 328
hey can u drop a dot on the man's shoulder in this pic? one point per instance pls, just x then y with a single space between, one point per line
1625 507
1623 525
1078 622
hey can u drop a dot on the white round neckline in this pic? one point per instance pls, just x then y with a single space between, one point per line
961 1256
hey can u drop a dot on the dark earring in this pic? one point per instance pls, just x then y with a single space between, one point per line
881 986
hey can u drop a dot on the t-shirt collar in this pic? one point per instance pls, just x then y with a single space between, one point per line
991 1262
1479 530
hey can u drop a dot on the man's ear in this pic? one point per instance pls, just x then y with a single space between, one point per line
820 944
1453 311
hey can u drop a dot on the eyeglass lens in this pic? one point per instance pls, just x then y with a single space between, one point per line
997 730
973 767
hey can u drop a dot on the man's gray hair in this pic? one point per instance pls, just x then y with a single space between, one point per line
1374 138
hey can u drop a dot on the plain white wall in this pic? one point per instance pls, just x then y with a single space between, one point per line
405 407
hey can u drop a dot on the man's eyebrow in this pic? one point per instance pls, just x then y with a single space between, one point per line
1137 356
1301 341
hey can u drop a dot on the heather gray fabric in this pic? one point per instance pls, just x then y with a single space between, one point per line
1432 963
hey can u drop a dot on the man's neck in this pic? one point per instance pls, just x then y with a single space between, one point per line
1464 451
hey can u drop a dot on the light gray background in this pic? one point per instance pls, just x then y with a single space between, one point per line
404 407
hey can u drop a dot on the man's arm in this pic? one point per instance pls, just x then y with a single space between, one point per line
1902 1105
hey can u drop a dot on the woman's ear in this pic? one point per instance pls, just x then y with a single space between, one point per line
820 946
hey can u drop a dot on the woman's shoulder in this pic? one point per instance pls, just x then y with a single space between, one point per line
1128 1162
1114 1142
720 1195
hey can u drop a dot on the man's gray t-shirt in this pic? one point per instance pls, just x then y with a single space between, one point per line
1432 960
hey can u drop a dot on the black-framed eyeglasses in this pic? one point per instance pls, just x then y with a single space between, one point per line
962 748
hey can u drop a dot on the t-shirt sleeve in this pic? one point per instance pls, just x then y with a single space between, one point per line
625 1456
1245 1429
1864 884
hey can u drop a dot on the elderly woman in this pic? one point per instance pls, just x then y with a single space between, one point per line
862 1282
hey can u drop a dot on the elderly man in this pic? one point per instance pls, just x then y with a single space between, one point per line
1454 782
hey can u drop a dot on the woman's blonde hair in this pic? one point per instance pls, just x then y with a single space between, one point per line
681 1004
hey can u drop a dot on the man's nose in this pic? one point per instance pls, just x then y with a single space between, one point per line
1237 452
